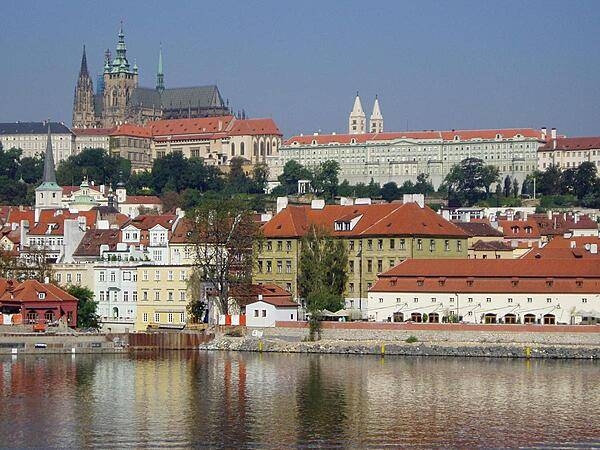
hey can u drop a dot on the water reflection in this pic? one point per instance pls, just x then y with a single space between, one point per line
278 401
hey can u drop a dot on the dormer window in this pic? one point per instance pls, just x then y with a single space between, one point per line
549 282
342 226
470 281
515 281
41 295
420 281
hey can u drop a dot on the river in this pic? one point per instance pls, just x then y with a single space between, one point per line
251 400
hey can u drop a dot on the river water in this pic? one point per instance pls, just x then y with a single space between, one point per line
249 400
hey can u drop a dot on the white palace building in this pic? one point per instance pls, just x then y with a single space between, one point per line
369 152
542 291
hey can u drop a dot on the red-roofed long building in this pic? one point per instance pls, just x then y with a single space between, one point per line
546 291
377 237
569 152
403 155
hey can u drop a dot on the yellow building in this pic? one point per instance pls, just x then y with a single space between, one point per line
377 237
74 274
162 296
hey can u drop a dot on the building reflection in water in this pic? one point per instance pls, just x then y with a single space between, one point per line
236 400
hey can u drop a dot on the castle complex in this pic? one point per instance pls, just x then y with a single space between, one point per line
118 99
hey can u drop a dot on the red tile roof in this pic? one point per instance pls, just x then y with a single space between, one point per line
571 143
93 239
148 221
15 215
128 129
497 246
519 229
385 219
92 131
253 127
52 221
142 200
490 275
563 248
190 126
182 232
12 290
271 293
478 229
505 133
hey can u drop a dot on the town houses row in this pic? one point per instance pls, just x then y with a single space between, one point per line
363 156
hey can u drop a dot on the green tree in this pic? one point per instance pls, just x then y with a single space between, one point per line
465 182
568 179
423 185
196 307
325 178
95 164
507 186
322 267
586 179
549 181
390 191
86 307
238 181
292 172
260 178
489 175
223 236
32 169
515 188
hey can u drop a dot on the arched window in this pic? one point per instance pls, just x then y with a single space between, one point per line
114 97
255 149
242 150
233 149
262 148
115 312
268 147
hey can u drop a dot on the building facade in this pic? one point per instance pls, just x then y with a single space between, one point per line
488 291
569 153
377 238
32 137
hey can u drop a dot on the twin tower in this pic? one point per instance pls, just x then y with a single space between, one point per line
357 122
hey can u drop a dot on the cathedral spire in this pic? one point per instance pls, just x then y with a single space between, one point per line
376 120
160 76
357 119
84 67
48 194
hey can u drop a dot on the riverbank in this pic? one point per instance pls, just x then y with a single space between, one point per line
422 340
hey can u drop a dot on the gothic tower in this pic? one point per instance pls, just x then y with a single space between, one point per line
357 119
48 195
120 79
84 115
376 119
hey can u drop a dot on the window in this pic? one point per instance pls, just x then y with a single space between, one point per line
101 296
548 300
510 300
488 299
447 245
458 246
351 287
351 265
380 244
288 266
157 275
145 317
58 277
264 313
392 263
369 265
156 296
432 245
584 300
101 276
392 244
269 266
69 278
402 244
182 317
182 296
78 278
260 266
157 317
529 300
379 265
279 266
113 276
288 287
416 300
170 317
170 275
351 245
182 275
433 299
419 244
126 276
145 275
256 313
125 296
370 244
288 245
134 296
470 299
269 246
279 246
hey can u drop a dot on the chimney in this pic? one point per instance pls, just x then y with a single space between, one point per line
573 244
544 133
317 204
553 133
23 233
282 203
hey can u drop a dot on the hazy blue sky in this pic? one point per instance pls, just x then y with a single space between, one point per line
434 64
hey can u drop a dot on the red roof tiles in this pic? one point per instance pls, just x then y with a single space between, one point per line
571 143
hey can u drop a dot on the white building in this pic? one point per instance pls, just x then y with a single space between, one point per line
546 291
272 304
115 290
31 138
91 138
569 153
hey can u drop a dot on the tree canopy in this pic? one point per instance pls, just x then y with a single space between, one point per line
86 307
95 164
470 181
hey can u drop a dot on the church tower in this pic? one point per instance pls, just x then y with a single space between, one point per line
357 119
376 119
120 79
48 195
84 115
160 76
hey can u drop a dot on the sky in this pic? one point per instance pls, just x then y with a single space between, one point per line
433 64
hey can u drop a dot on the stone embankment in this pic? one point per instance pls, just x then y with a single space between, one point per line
584 344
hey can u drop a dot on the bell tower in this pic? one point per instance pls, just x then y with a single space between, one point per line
376 119
357 119
120 79
48 195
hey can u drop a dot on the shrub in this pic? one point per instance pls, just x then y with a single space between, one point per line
411 339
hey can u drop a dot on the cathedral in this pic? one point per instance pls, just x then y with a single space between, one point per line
118 99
